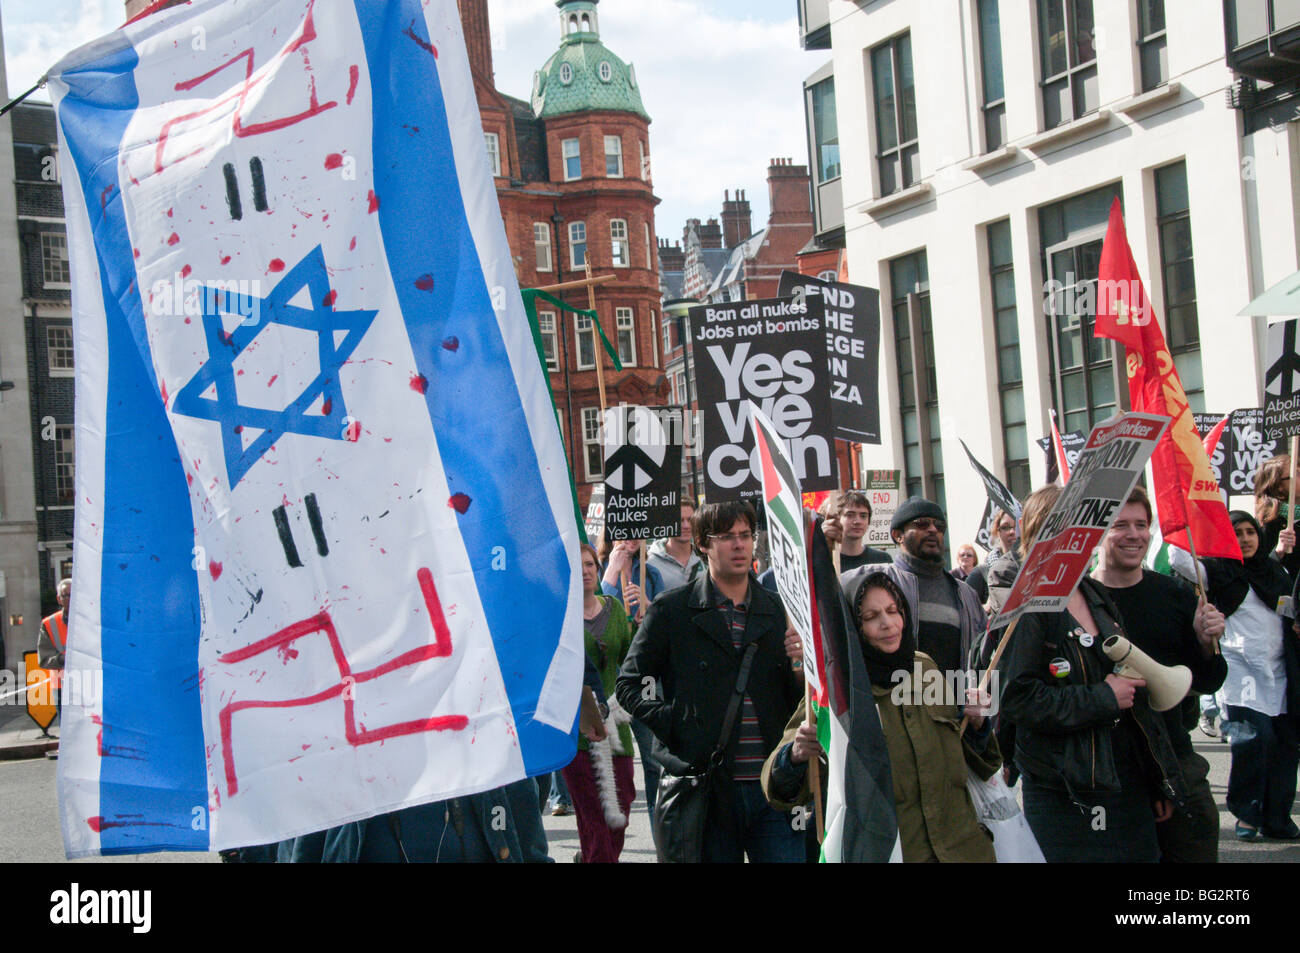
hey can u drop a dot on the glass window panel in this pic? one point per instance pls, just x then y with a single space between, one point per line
1017 442
1191 374
1051 32
889 174
1009 365
1000 243
1171 189
1151 14
1008 327
1285 13
911 158
911 433
1069 352
1004 289
1087 92
882 71
1103 386
913 457
1176 239
1077 420
990 50
1013 406
1083 49
995 127
1098 348
1073 391
907 87
1252 20
1155 64
826 130
1183 329
1180 284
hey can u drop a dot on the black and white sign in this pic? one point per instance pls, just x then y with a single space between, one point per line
595 521
772 352
852 350
643 475
1072 443
1241 451
1282 381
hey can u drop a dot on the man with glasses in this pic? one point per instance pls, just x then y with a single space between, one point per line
693 640
947 619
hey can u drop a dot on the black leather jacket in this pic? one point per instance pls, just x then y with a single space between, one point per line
684 641
1063 724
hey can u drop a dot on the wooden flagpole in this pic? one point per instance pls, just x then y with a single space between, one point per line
576 283
993 664
814 769
640 606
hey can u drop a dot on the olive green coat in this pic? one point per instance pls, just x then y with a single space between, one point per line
928 761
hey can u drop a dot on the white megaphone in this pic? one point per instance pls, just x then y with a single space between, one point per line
1166 685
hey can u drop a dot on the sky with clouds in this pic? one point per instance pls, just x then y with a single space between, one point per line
721 80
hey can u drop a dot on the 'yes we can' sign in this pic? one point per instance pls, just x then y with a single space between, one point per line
773 352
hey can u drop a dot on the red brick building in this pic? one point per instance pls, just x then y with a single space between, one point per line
573 179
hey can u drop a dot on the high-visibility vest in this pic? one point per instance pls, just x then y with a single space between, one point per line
53 624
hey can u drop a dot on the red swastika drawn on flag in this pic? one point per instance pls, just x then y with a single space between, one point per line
306 33
321 622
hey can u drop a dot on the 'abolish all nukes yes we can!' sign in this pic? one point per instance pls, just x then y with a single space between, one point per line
772 352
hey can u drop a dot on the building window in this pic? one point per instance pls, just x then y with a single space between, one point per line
995 102
668 335
645 163
572 155
918 403
1068 59
1006 334
566 73
826 131
584 333
679 387
605 71
1085 379
577 244
653 341
649 257
542 245
64 464
1182 325
546 325
626 325
618 249
1153 55
493 151
613 157
898 155
58 345
594 451
54 261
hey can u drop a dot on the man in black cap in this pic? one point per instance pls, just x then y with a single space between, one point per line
947 618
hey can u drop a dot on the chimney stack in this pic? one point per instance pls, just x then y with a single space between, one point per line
711 234
789 191
478 37
736 219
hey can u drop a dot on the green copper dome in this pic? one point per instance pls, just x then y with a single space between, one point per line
583 75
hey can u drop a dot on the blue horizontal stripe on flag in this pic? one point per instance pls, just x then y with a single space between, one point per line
473 398
152 775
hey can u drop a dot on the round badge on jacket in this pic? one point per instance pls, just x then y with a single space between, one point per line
1059 667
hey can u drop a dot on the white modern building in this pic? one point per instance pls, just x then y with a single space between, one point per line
965 153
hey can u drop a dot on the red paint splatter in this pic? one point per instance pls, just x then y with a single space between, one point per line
189 479
424 282
276 265
187 320
239 428
226 337
333 161
164 393
103 196
422 44
173 238
225 259
353 75
135 252
326 407
373 201
239 373
451 343
272 380
459 502
353 432
214 568
419 383
169 213
185 272
330 297
96 823
286 652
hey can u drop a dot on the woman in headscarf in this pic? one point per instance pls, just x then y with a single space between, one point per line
928 754
1257 691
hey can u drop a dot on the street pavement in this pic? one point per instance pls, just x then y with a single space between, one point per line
29 826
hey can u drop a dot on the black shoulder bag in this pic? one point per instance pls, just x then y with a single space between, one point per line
682 807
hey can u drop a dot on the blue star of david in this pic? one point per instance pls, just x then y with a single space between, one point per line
224 348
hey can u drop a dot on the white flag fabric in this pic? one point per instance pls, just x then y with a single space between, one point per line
326 553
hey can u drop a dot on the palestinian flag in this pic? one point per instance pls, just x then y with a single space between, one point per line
861 826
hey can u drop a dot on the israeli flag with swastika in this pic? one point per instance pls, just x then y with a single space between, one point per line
325 550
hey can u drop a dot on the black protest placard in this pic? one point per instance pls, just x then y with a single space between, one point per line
1282 381
1072 443
643 475
773 352
1241 451
852 350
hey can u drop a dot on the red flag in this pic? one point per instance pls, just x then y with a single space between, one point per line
1187 494
1212 438
1058 448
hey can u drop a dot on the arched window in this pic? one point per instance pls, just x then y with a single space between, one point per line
573 23
586 23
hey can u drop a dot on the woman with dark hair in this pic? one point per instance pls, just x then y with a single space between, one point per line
928 754
1258 692
1098 767
1272 491
601 777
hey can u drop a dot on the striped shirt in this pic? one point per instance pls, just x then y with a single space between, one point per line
751 752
